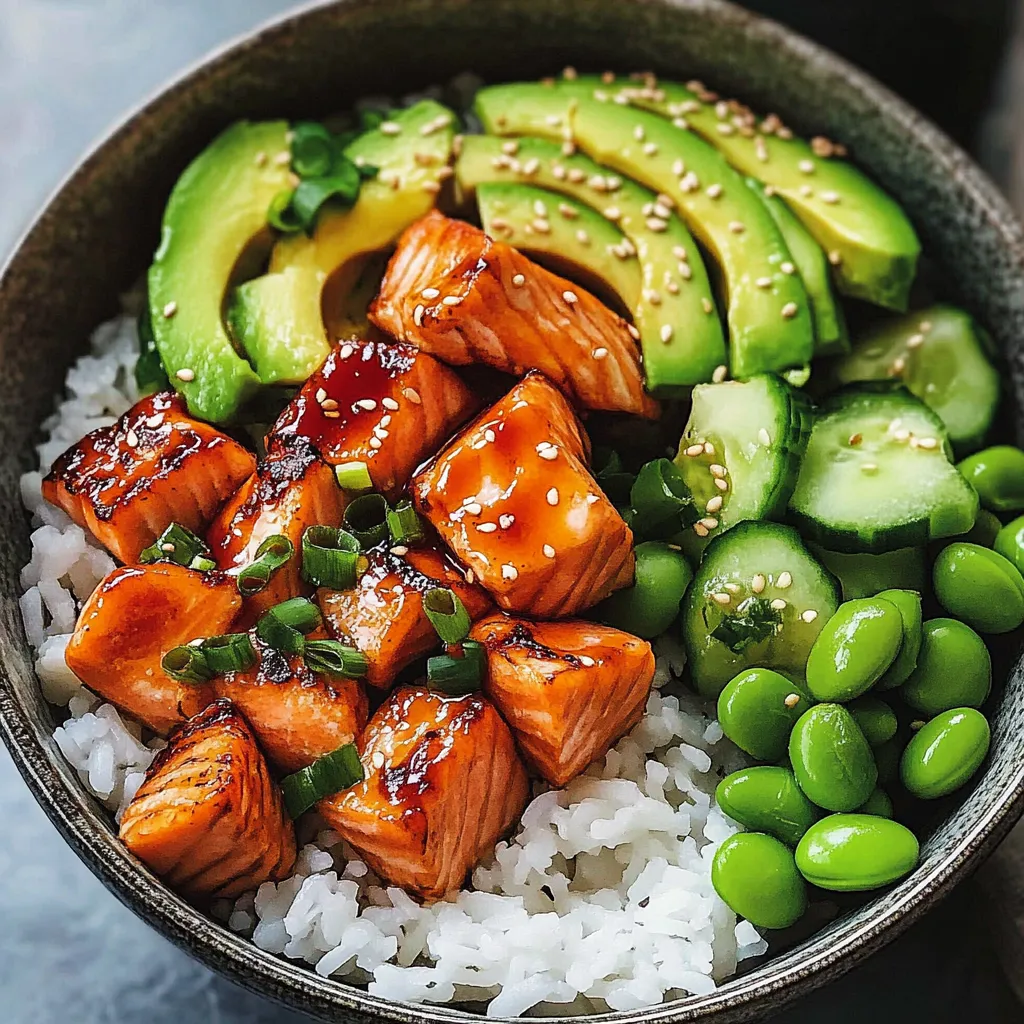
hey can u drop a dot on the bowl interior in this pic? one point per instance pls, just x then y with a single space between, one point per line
100 229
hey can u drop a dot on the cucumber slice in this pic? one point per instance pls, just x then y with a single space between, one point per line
878 476
740 582
940 354
741 449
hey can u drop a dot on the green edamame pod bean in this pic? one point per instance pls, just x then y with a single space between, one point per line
985 529
831 759
856 852
887 758
649 607
767 799
878 804
979 587
908 603
757 711
756 875
854 649
954 669
1010 543
863 575
876 719
997 474
945 753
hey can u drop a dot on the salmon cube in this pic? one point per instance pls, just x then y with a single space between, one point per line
292 489
443 784
297 715
208 819
134 617
156 465
460 295
383 614
389 406
512 497
568 689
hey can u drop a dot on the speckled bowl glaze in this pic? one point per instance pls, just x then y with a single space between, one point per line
100 228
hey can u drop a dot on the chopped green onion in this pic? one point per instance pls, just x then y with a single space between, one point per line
333 658
404 525
313 150
755 620
187 664
230 652
353 476
447 615
283 626
270 556
661 499
460 670
275 550
341 185
329 558
253 578
175 544
326 776
150 375
281 215
202 564
609 472
366 518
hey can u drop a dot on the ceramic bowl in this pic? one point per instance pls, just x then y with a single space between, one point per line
100 228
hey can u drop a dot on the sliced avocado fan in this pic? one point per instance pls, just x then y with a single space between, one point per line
681 338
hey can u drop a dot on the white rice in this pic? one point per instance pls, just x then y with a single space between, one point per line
602 899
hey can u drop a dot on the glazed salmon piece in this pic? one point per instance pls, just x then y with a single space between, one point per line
155 466
291 489
389 406
131 620
460 295
209 819
568 689
383 614
297 715
512 497
443 784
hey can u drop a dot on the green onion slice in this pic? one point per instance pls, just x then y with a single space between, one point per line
187 664
366 518
283 626
333 658
458 671
341 185
353 476
329 558
202 564
150 375
281 215
447 615
270 556
175 544
404 525
326 776
229 652
313 150
661 499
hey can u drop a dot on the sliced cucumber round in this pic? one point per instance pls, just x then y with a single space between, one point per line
877 474
758 598
741 449
940 354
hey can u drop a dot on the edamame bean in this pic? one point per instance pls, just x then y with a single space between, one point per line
756 875
878 804
854 649
979 587
908 603
831 759
953 670
985 529
945 753
649 607
876 719
757 711
1010 543
856 852
767 799
997 474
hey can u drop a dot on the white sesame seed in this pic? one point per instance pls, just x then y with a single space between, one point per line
346 351
694 450
283 158
650 149
661 210
806 166
489 435
736 227
713 191
600 353
763 282
835 257
830 197
399 549
653 297
784 581
378 759
722 485
506 520
666 333
417 314
185 374
764 437
389 403
540 208
720 373
321 394
587 661
570 297
787 267
809 616
700 530
552 496
430 293
778 604
367 403
722 598
549 454
924 326
706 305
869 467
155 420
789 310
709 448
634 333
656 224
518 280
132 438
509 572
715 470
928 442
474 508
758 583
806 191
714 504
549 551
792 700
672 287
170 309
390 128
413 395
709 523
899 364
558 171
510 147
487 527
915 341
582 237
725 129
451 300
855 439
375 442
470 576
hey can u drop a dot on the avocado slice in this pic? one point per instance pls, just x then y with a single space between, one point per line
864 230
218 207
278 317
675 290
768 314
830 334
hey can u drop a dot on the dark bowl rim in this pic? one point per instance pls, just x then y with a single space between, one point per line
79 819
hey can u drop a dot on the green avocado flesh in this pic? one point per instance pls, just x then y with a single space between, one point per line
873 242
770 327
675 291
217 209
